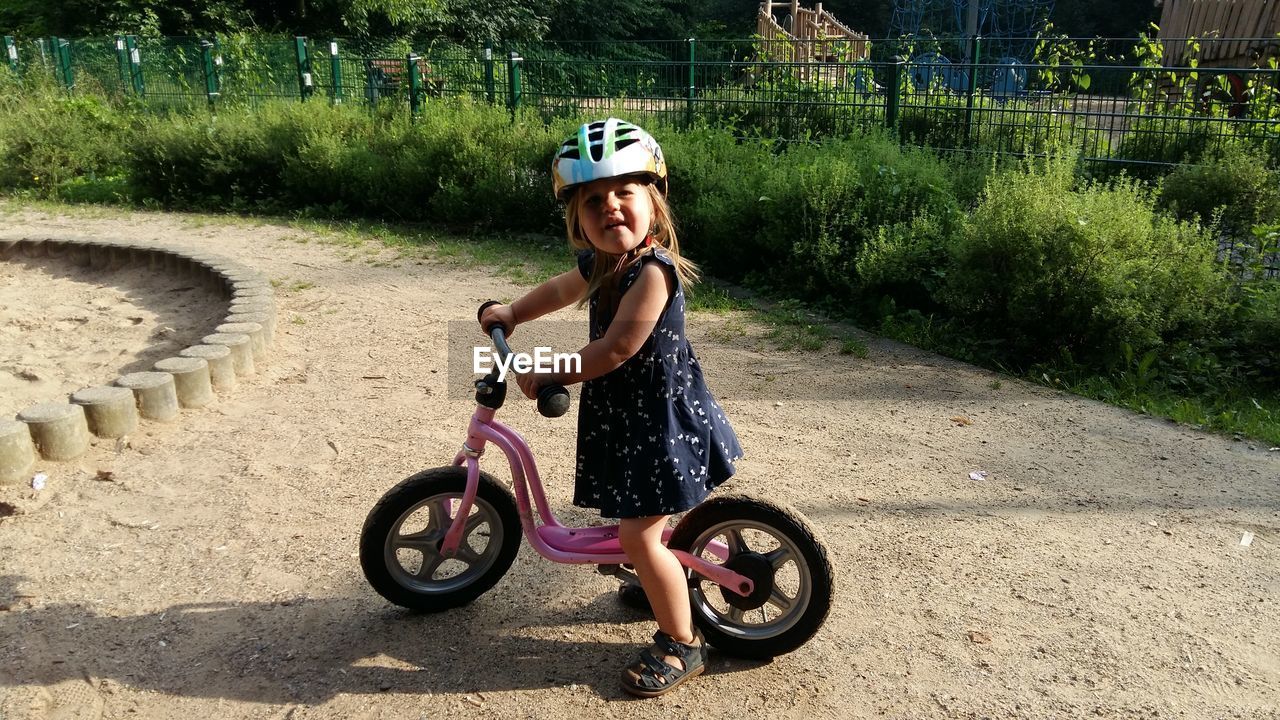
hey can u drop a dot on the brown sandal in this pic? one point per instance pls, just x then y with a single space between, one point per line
652 675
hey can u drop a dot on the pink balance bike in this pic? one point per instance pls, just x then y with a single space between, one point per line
760 581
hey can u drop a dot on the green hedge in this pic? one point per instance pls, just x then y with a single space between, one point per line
1011 265
467 164
56 139
1045 266
799 217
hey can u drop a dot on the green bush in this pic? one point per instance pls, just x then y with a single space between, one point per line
1046 267
715 193
459 163
96 190
945 120
970 173
787 108
373 165
48 138
846 191
492 172
1087 279
1151 144
1237 187
1252 339
230 162
343 162
241 159
1258 337
798 218
904 265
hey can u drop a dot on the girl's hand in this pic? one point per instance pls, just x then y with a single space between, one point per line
529 384
501 315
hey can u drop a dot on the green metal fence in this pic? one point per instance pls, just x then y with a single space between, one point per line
1112 101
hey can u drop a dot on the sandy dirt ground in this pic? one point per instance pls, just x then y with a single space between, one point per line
1097 571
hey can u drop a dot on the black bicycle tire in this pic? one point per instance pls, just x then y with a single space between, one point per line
787 521
406 495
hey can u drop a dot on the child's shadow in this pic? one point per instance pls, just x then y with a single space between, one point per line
606 607
308 650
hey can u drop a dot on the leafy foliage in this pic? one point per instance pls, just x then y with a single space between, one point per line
499 20
1250 343
799 216
1237 188
477 21
78 18
618 20
1090 285
902 266
462 164
48 139
1046 267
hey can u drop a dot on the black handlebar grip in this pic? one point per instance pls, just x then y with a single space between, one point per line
485 306
553 401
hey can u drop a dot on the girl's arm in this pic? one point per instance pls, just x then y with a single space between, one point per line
638 314
560 291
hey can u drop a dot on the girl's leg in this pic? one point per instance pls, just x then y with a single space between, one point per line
677 654
661 575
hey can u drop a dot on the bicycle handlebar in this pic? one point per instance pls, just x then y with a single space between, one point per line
553 400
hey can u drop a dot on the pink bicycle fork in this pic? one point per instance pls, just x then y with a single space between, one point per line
553 541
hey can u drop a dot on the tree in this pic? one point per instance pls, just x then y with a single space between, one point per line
476 21
77 18
620 20
1104 18
74 18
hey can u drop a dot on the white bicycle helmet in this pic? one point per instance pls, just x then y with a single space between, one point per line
605 149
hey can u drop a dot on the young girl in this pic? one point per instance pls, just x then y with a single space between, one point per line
651 440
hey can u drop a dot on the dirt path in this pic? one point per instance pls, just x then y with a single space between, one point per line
1097 571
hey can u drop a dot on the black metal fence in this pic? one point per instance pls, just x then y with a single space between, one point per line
1118 102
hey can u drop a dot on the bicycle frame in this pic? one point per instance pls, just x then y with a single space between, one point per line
551 539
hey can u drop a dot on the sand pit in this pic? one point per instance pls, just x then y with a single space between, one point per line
65 327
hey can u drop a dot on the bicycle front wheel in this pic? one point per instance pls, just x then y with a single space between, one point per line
401 539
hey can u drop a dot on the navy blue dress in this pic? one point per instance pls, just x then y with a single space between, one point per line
651 439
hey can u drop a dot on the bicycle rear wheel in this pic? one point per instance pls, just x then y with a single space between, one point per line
777 548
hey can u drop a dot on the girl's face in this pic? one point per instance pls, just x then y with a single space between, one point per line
615 214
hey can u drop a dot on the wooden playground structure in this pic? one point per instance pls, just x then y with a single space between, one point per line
1255 22
1229 34
820 47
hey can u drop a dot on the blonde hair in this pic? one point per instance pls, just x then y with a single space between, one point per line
662 231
